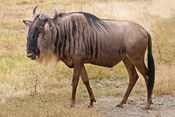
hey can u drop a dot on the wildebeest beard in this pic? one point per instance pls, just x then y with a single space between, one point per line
46 47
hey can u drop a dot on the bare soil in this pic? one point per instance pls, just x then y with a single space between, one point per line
164 106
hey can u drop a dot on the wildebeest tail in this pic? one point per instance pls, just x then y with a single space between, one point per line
151 67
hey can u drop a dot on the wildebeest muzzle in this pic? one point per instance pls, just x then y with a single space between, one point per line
32 50
32 53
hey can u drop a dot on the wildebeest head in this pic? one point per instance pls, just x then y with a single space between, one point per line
39 29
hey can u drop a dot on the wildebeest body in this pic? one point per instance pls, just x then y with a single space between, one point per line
79 38
98 45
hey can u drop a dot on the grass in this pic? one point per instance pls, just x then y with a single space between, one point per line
30 89
44 105
163 33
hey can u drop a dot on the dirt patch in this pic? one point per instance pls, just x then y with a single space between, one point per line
163 106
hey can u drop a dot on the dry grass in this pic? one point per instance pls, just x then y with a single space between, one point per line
164 44
44 105
29 89
165 81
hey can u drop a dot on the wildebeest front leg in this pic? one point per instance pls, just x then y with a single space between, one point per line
75 80
85 80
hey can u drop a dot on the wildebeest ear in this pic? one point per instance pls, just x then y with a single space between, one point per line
27 22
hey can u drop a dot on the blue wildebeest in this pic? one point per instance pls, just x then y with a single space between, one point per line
78 38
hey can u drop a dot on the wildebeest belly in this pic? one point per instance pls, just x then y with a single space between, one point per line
108 58
107 61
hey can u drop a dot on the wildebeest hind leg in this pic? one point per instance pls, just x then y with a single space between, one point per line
85 80
133 76
140 65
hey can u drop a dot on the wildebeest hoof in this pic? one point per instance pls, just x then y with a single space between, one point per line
147 107
90 106
119 105
91 102
72 105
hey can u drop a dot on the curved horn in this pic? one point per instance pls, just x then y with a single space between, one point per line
34 10
55 15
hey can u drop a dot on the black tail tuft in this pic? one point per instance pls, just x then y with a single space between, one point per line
151 67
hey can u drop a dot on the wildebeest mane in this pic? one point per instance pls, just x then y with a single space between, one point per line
94 21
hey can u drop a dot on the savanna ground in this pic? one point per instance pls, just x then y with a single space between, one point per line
30 89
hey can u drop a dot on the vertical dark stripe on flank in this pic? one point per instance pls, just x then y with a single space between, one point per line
91 43
56 40
64 41
72 39
88 41
96 44
69 36
84 41
74 31
121 50
67 47
60 41
78 39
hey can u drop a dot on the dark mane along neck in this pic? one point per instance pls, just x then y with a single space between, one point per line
93 21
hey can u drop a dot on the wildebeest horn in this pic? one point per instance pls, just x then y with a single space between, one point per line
55 15
34 10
